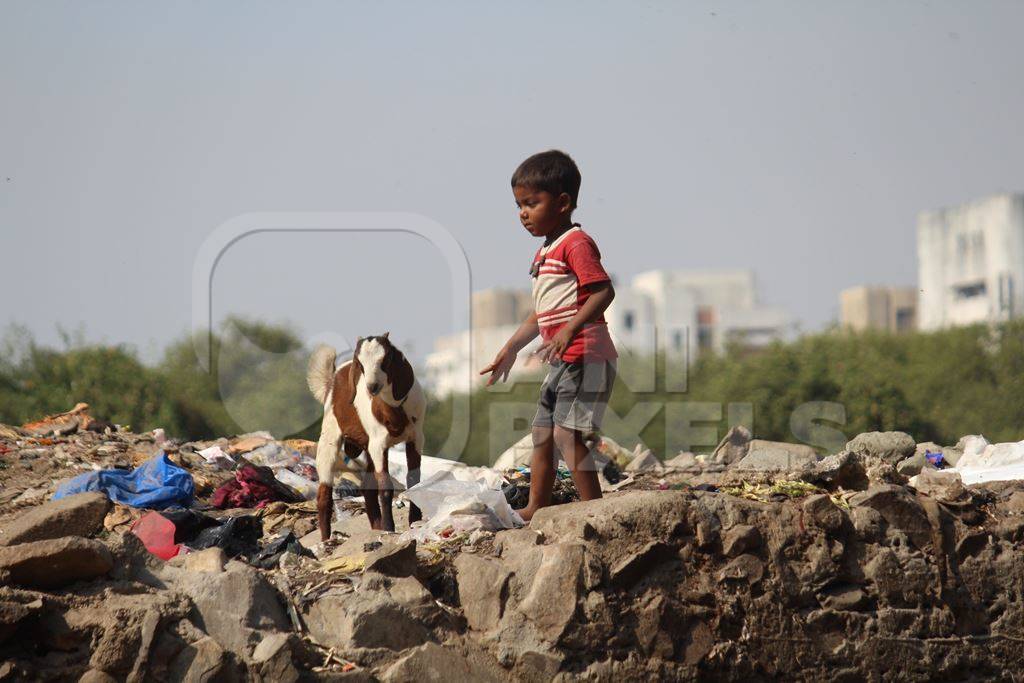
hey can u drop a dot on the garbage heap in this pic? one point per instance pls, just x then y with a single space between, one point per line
759 559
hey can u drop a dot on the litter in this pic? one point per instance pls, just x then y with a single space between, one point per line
252 487
983 462
236 536
156 533
270 555
305 487
462 506
214 455
934 459
156 484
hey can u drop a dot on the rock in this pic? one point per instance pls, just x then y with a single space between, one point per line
889 446
746 568
908 467
431 662
633 567
208 560
683 461
842 470
365 618
740 539
483 589
78 515
203 660
234 606
900 510
820 511
776 456
13 613
842 596
272 659
944 485
393 560
555 591
733 447
644 462
96 676
54 563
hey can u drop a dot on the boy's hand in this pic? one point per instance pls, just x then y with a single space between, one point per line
553 349
500 367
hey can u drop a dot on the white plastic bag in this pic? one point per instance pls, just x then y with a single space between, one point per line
465 505
983 461
305 487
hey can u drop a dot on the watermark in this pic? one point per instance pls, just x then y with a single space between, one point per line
241 399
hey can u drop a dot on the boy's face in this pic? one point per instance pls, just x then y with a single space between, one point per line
541 212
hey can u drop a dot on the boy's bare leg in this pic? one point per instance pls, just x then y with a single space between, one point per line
542 472
581 464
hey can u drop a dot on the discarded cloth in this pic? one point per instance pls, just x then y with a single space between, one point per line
156 484
252 487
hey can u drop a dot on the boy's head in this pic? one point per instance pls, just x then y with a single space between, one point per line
546 187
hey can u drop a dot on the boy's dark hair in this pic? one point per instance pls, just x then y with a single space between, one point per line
553 171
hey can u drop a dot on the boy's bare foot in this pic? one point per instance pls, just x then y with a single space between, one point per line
527 513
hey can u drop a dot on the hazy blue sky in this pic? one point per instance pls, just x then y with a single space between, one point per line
799 139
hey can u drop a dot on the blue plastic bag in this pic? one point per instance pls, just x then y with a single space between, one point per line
155 484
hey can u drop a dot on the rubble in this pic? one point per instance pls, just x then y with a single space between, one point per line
761 560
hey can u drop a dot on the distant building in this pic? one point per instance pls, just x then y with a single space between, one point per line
693 312
497 314
971 262
683 313
878 308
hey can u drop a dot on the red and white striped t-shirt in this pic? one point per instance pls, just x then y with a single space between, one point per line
564 268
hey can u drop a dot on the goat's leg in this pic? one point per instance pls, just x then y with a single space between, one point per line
369 485
326 459
412 455
386 493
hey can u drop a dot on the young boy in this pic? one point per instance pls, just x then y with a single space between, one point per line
571 290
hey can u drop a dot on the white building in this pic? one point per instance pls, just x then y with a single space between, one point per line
971 262
680 312
693 311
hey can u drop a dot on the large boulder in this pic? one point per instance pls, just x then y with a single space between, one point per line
370 617
54 563
432 662
78 515
733 447
888 446
776 456
236 606
900 510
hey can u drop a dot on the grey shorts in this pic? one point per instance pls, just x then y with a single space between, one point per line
575 395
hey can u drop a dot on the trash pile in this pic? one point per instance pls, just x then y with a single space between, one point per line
129 556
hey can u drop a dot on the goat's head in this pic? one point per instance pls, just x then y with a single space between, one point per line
386 370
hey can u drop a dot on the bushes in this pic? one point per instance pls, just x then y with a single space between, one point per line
936 386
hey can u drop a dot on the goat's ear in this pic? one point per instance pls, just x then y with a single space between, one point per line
401 376
385 335
355 370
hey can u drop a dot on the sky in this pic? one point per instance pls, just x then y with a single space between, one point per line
797 139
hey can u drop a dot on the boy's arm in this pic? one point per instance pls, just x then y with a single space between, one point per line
601 295
502 363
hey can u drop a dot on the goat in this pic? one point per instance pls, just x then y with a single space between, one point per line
371 403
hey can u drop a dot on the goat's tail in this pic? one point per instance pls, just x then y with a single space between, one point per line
320 375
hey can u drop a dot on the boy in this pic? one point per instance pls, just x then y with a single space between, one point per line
571 290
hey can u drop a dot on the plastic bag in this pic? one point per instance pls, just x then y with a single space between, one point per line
157 484
305 487
467 505
156 533
983 462
217 457
236 536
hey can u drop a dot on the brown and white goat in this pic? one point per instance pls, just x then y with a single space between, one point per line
371 403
